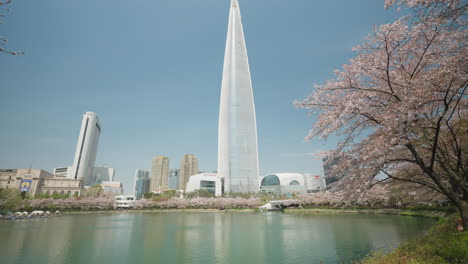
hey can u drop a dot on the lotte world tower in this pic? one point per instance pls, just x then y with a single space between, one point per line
237 132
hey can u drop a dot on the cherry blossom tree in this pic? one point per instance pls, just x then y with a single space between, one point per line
400 106
3 40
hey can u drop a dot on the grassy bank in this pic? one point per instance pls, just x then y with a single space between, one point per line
442 244
385 211
187 210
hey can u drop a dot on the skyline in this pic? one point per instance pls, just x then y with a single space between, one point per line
70 67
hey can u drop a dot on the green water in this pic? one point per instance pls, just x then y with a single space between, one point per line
177 237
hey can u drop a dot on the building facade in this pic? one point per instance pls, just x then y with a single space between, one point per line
62 186
8 178
142 183
188 167
205 181
237 131
174 179
112 187
86 149
159 173
35 182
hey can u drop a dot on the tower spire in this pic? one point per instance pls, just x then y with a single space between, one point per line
237 132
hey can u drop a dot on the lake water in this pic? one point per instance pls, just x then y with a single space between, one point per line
178 237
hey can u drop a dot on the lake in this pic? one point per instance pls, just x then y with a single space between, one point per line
183 237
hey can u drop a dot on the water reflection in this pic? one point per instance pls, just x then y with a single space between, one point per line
202 238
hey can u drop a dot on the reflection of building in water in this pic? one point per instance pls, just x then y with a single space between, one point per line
291 183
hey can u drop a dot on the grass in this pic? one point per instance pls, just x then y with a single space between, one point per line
442 244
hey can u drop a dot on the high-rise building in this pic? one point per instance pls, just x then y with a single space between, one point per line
102 174
142 183
86 149
237 132
174 179
188 167
159 173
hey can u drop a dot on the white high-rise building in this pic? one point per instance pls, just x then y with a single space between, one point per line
86 149
237 132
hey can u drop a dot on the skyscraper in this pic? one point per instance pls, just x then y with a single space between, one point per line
159 173
188 167
237 131
174 179
85 155
142 183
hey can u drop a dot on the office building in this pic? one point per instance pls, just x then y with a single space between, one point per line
174 179
86 149
102 174
237 131
188 167
142 183
159 174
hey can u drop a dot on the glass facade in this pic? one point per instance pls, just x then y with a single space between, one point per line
209 186
270 180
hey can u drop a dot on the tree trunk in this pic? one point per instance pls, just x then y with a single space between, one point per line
463 208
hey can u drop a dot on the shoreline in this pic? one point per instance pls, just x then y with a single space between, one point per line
383 211
309 211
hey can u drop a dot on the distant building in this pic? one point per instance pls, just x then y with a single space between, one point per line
124 201
102 174
35 182
62 186
292 183
112 187
142 183
314 182
188 167
31 180
8 178
86 149
62 171
174 179
283 184
328 170
159 173
205 181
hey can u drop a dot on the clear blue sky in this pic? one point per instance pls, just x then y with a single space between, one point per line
151 70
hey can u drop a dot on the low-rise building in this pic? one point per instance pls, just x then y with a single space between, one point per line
112 187
283 183
30 181
62 186
35 182
205 181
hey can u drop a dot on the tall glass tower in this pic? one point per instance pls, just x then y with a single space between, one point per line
86 149
237 131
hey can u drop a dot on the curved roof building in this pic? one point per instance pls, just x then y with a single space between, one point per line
237 131
289 183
